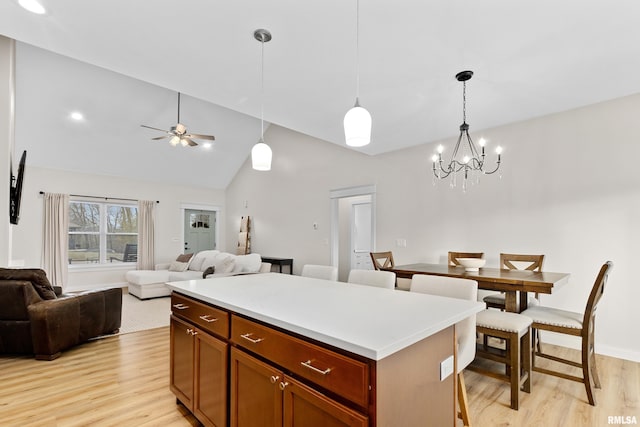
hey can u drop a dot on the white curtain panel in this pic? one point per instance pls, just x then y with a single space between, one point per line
146 239
55 253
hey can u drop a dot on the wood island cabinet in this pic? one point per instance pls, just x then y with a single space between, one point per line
199 361
230 369
262 395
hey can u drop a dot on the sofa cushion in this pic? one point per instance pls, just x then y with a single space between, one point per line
202 260
247 263
223 263
145 277
175 276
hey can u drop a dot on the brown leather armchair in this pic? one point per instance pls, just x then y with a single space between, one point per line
37 319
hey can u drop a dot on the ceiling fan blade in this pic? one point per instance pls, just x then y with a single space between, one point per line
160 137
190 141
198 136
149 127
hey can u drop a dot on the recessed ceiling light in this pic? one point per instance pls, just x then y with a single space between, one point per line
33 6
77 116
207 145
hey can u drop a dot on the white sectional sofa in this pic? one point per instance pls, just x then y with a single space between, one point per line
146 284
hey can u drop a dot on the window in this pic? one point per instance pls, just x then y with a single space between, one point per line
102 233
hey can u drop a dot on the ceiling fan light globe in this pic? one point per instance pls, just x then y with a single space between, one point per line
357 127
261 157
174 140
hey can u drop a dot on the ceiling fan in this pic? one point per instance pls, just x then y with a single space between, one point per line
178 133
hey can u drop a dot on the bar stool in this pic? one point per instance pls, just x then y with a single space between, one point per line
515 330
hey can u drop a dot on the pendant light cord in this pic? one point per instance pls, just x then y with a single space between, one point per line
357 51
262 93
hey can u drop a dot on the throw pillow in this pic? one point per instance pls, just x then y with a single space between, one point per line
208 271
184 258
178 266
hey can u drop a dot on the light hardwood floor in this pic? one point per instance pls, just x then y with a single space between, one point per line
124 381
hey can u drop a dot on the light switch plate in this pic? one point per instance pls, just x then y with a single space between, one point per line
446 368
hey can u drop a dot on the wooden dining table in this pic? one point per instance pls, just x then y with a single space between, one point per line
511 282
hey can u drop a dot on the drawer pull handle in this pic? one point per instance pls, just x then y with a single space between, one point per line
180 306
253 340
274 379
283 385
191 331
308 364
208 318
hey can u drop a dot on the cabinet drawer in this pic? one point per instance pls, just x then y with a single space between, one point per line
208 318
340 374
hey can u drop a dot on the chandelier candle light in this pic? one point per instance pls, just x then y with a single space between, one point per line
465 158
261 153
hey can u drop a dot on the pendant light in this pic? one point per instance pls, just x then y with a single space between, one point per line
357 121
261 152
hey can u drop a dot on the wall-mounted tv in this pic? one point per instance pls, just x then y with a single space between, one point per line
15 190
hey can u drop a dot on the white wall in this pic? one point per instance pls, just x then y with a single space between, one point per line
27 235
569 189
7 99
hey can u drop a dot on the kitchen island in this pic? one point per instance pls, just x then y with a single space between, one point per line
275 349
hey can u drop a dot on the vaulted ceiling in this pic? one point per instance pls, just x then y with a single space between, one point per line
121 63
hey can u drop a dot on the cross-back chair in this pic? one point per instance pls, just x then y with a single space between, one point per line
453 256
382 259
577 324
385 260
515 262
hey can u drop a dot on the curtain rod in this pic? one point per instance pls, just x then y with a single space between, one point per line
104 198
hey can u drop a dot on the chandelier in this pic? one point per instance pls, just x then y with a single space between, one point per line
465 157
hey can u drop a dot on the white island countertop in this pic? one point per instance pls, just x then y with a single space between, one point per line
365 320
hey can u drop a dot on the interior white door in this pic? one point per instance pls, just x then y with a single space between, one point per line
199 230
361 236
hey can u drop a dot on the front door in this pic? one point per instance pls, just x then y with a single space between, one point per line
199 230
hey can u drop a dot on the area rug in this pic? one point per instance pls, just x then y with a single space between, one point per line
139 315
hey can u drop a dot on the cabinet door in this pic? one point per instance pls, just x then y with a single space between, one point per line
210 388
181 350
256 398
305 407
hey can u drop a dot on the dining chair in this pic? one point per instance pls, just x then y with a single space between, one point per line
577 324
465 330
453 261
380 279
326 272
514 331
453 256
515 262
385 260
382 259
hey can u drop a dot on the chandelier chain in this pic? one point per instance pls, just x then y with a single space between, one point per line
464 102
